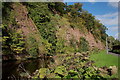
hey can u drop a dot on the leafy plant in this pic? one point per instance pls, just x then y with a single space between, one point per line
32 47
83 45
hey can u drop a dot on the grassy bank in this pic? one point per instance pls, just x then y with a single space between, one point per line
103 59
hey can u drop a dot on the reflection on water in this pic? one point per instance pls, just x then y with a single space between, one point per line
11 68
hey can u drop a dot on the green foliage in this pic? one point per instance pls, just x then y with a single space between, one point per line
89 20
94 26
32 46
77 23
73 43
42 18
8 14
6 9
60 47
48 33
57 7
61 70
17 44
12 41
70 69
46 25
83 45
110 41
116 42
72 74
49 18
113 44
116 51
5 39
43 72
74 10
90 73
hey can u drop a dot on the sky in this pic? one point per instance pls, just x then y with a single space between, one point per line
106 12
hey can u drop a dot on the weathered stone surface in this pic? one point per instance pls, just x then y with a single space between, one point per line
114 69
103 71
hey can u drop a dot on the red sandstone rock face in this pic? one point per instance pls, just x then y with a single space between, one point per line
88 36
21 16
27 26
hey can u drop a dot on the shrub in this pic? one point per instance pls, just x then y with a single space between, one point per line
83 45
32 47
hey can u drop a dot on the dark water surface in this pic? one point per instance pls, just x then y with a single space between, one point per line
12 69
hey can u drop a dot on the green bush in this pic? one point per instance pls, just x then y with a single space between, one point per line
12 41
32 46
83 45
116 51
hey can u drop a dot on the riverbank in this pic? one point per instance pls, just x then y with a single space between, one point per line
17 69
74 65
21 57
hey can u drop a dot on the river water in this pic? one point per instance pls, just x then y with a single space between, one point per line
10 69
